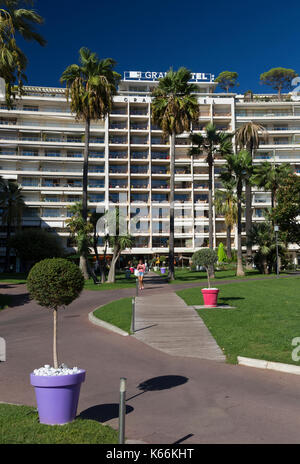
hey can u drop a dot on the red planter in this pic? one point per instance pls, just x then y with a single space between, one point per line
210 297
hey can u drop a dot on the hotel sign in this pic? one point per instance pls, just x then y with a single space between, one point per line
154 76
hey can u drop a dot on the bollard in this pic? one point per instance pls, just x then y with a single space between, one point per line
2 349
122 411
133 316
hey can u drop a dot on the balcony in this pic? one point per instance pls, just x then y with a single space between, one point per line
139 170
139 185
118 198
160 156
138 111
118 125
118 184
118 155
118 140
139 155
160 184
160 170
136 126
158 141
160 198
139 198
139 140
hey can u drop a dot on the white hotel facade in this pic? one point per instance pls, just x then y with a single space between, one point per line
41 147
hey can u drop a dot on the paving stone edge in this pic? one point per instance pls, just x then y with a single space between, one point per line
274 366
106 325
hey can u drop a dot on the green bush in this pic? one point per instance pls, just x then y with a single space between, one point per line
55 282
33 245
206 258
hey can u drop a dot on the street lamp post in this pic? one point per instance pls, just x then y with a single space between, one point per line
276 230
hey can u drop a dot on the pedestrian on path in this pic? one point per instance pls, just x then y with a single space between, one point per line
141 272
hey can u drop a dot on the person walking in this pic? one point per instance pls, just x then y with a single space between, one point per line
141 272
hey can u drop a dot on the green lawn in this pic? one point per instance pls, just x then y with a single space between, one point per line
4 301
184 275
121 282
13 278
20 425
266 318
117 312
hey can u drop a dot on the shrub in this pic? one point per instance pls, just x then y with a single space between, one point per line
54 283
206 258
33 245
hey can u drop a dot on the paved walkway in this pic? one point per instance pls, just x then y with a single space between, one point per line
166 323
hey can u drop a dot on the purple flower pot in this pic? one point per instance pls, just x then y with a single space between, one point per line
57 397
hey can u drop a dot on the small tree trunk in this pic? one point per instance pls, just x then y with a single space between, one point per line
171 275
210 212
55 360
208 278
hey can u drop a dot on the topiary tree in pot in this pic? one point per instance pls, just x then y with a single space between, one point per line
55 283
207 258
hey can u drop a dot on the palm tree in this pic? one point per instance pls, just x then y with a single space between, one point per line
226 205
174 108
247 137
270 177
262 235
236 170
117 238
80 231
212 143
12 203
90 87
14 18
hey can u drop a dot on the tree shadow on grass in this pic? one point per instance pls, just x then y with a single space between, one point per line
227 300
103 412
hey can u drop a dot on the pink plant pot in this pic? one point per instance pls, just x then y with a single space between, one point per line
210 297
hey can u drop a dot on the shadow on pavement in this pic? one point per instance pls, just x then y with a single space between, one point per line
183 439
19 300
163 382
103 412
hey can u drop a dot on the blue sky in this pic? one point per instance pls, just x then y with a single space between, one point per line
246 37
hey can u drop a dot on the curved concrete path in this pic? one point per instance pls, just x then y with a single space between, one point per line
169 398
166 323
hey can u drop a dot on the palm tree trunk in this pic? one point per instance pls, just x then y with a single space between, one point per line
248 223
84 266
83 258
265 265
171 237
103 266
239 269
112 271
228 242
55 360
249 216
210 212
7 251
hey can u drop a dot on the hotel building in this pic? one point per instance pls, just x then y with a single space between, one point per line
41 147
